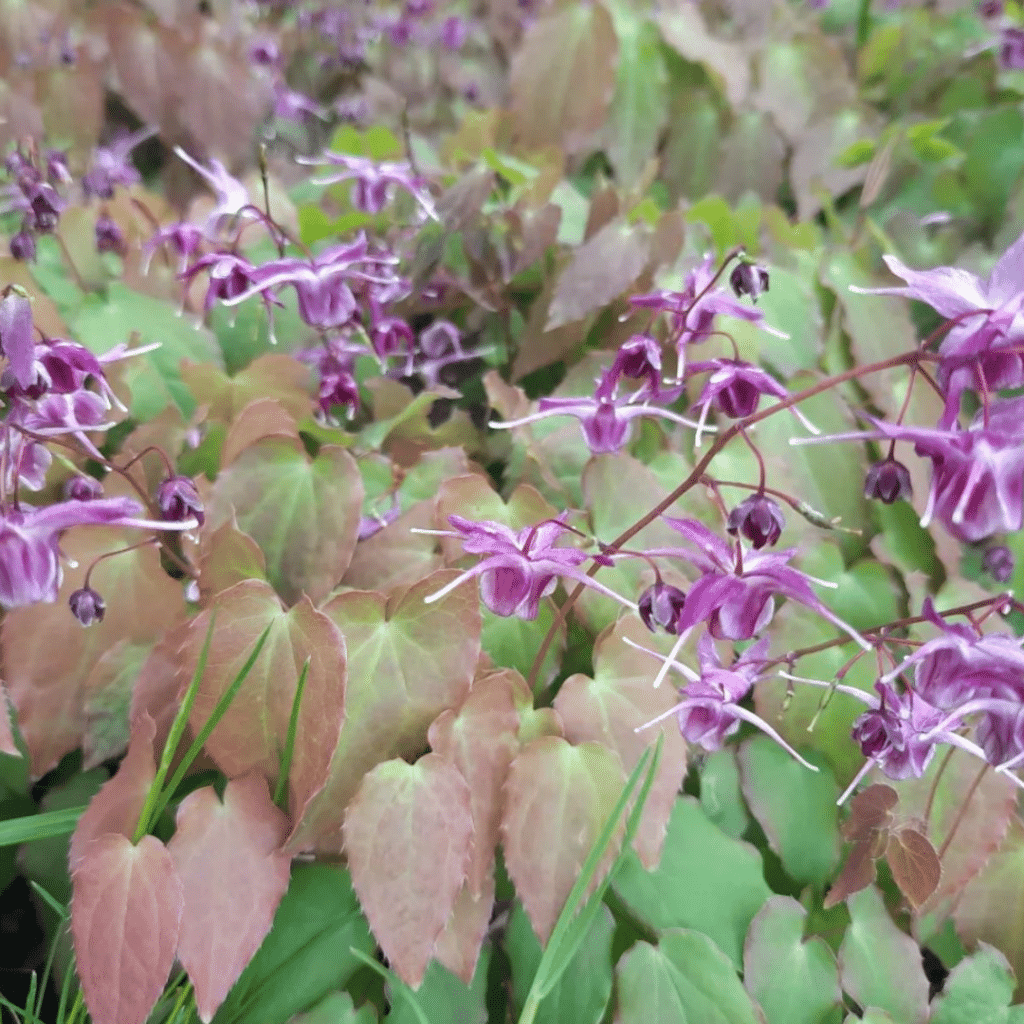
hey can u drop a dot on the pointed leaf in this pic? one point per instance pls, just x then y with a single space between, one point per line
233 875
115 809
879 965
557 799
687 977
407 663
609 708
261 419
480 739
915 865
705 881
459 945
304 513
252 733
125 914
107 699
229 556
795 981
407 836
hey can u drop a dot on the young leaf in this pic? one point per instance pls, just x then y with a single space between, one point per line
407 836
915 865
234 875
125 915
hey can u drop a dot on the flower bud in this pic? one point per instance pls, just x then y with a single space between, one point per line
888 482
109 237
45 206
83 488
87 606
660 606
179 500
998 562
749 279
758 519
23 247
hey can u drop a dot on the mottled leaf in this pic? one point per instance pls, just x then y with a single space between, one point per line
261 419
557 799
407 835
705 881
252 733
125 914
304 513
793 980
407 663
609 709
233 875
107 697
880 965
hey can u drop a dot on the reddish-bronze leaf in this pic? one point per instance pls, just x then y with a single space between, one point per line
107 695
229 556
407 663
115 809
407 834
870 812
159 686
857 873
7 744
609 708
458 946
915 865
265 417
563 77
47 656
233 874
252 733
480 740
557 799
396 557
125 914
270 376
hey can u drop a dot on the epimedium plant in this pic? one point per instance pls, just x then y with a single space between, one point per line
399 625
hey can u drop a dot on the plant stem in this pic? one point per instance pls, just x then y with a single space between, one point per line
863 23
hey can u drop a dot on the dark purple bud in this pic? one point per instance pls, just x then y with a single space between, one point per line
1011 49
998 562
109 237
888 482
660 606
991 8
23 246
83 488
740 399
179 500
45 205
749 279
87 606
265 52
758 519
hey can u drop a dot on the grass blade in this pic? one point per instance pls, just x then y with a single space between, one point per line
396 983
281 793
39 826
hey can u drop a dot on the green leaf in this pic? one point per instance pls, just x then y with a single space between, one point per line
978 991
442 996
795 807
685 978
720 794
706 881
39 826
154 378
337 1008
308 952
513 643
793 981
582 993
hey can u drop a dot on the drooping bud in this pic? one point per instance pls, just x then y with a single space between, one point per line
660 606
888 482
83 488
87 606
998 562
45 205
17 334
179 500
1011 49
23 246
749 279
758 519
109 237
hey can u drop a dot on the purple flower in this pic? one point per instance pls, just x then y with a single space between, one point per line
1011 48
640 359
373 183
232 196
87 606
111 165
896 734
998 562
519 567
710 709
30 569
372 524
660 606
758 519
23 246
888 482
110 237
178 500
333 362
17 337
749 279
83 488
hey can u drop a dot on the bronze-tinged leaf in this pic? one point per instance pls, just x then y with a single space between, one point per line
395 556
159 685
304 513
228 557
115 809
125 914
7 744
407 663
557 799
480 739
233 876
252 733
870 812
563 77
857 873
539 346
609 708
600 271
915 865
266 417
107 697
407 835
47 656
458 946
273 375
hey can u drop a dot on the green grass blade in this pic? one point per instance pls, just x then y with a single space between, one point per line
211 723
61 911
147 816
39 826
281 793
396 983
